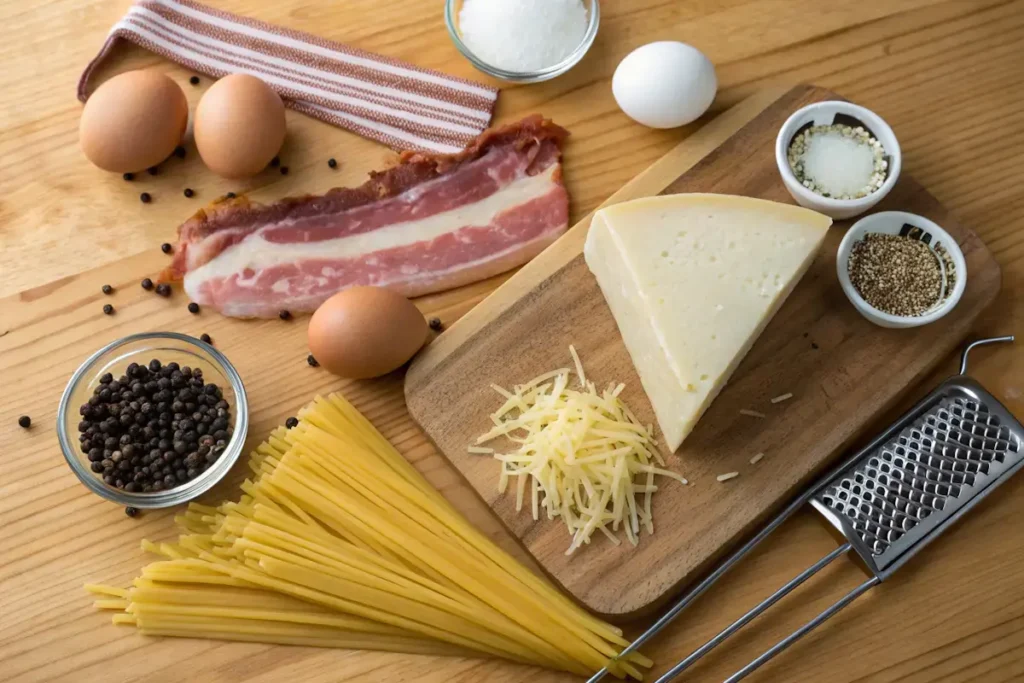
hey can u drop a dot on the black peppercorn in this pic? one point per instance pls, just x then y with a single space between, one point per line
284 170
814 346
189 192
436 325
131 512
291 422
206 338
332 162
230 195
147 284
24 421
179 152
163 289
152 170
284 315
107 289
193 307
275 162
312 361
128 176
194 80
108 309
145 198
166 248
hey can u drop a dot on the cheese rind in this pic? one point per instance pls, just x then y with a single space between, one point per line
692 280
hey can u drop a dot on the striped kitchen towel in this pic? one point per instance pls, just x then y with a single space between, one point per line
380 98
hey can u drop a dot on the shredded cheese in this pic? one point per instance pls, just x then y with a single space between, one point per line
751 413
580 456
783 397
756 459
727 476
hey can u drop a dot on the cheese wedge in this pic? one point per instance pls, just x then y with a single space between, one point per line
692 280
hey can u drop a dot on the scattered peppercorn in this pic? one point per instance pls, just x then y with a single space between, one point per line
284 315
145 198
24 421
153 170
194 80
179 152
107 289
154 428
205 338
166 248
131 512
128 176
332 162
193 307
230 195
163 289
147 284
291 422
189 192
275 162
435 324
284 170
313 363
814 346
108 309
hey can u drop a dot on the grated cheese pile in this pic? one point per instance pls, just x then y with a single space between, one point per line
580 454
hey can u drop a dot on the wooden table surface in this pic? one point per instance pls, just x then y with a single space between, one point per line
946 74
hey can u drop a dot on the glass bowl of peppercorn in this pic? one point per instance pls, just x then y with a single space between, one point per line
153 420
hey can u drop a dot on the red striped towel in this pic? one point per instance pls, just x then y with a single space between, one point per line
380 98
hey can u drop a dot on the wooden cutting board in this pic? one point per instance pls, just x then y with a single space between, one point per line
842 371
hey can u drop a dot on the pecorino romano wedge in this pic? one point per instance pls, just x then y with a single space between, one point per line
430 223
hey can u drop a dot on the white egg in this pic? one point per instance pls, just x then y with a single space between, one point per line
664 84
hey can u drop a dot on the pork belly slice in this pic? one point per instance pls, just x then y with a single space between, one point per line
431 223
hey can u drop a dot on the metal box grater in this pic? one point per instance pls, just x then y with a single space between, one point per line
888 500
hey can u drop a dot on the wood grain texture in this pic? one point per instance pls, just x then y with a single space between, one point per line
946 74
841 369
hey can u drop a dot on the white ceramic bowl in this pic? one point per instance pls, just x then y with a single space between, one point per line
825 114
892 223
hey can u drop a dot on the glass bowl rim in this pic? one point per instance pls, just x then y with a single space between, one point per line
534 76
183 492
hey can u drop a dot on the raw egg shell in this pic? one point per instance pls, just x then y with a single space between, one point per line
133 121
665 84
239 126
366 332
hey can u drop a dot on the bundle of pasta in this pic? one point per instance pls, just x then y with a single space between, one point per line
336 541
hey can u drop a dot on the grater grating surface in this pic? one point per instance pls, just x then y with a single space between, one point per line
905 487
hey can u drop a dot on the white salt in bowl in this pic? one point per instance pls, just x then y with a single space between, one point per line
912 225
825 114
451 20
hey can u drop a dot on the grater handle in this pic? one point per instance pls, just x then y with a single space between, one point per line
977 343
804 630
754 613
709 581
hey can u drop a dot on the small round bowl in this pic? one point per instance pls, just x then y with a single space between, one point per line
451 19
141 348
896 223
825 114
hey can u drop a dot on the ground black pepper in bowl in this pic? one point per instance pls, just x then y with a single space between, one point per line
155 427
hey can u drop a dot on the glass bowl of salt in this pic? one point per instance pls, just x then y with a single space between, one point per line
522 41
837 158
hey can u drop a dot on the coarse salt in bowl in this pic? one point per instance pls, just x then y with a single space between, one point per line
574 52
901 223
825 114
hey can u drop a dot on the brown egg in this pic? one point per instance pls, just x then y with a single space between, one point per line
133 121
366 332
239 126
